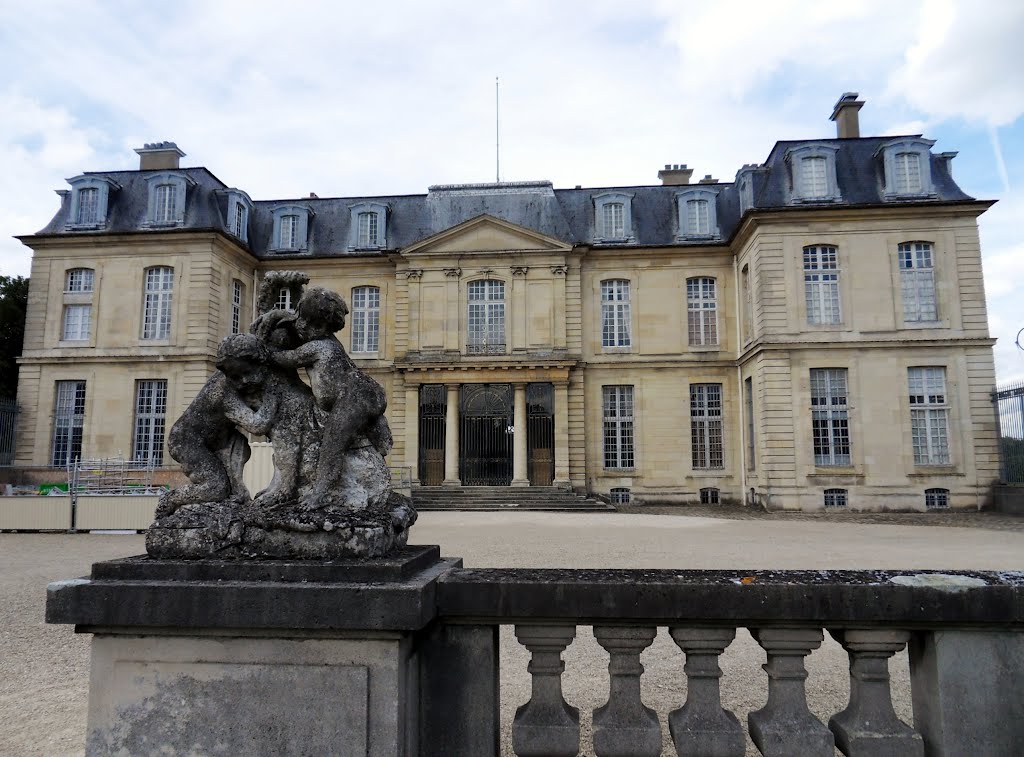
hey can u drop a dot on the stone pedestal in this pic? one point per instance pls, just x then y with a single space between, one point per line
264 657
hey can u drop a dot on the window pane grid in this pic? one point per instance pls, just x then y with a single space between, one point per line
929 416
367 229
618 426
77 322
150 420
830 421
486 317
289 232
706 425
917 282
165 209
236 306
88 205
697 219
239 221
935 499
365 319
156 322
613 220
835 498
821 285
815 181
68 422
702 311
615 313
79 280
908 172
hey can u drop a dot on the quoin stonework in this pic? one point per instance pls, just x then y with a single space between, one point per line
812 334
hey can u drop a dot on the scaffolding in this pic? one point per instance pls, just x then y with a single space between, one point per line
111 475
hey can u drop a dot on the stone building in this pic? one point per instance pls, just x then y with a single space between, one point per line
812 334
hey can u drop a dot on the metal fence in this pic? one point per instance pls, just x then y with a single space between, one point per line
8 427
1009 406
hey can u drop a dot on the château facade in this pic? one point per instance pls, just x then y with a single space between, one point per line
812 334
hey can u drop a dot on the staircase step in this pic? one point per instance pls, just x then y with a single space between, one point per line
504 498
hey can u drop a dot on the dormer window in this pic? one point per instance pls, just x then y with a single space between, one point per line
368 226
291 228
89 197
613 217
239 206
813 173
697 214
167 195
907 164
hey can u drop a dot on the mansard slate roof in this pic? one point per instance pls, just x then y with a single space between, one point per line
563 214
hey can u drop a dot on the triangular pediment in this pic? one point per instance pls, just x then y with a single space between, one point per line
485 233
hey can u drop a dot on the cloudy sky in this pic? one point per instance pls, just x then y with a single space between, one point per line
362 98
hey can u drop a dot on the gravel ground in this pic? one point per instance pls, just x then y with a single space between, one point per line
44 669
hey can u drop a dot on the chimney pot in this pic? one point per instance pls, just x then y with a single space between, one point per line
159 155
675 174
845 114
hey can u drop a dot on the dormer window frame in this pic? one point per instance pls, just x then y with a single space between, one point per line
683 221
909 145
239 201
800 192
303 214
377 210
102 186
180 183
605 199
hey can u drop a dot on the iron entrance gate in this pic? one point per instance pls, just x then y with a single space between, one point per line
1009 404
433 406
540 433
485 438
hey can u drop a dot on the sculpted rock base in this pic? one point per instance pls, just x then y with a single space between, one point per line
240 530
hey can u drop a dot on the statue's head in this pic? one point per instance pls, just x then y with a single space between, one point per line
320 312
243 359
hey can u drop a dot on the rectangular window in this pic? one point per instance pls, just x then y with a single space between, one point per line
706 425
702 312
365 319
929 415
613 220
821 284
907 169
238 223
618 426
830 421
615 313
697 218
165 204
486 317
79 280
936 499
620 495
367 230
237 295
150 418
77 323
68 422
814 178
917 282
748 393
835 498
710 496
284 298
88 206
156 319
289 232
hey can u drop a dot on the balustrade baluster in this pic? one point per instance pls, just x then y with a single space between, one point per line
868 725
702 726
546 726
784 726
624 727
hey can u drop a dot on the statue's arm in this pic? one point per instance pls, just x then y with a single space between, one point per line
255 422
303 356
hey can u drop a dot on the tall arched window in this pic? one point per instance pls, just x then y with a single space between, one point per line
615 313
156 315
486 317
365 319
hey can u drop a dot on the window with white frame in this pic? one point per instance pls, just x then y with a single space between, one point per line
156 315
284 298
89 200
367 230
88 206
706 426
615 313
612 214
237 297
697 216
77 323
619 495
365 319
167 194
821 284
813 169
814 176
368 226
929 415
936 499
485 333
709 495
907 173
830 419
702 312
165 209
79 281
291 228
150 421
907 165
835 498
288 235
238 222
618 426
917 282
68 422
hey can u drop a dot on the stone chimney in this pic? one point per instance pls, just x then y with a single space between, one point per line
673 175
159 155
845 116
947 160
708 179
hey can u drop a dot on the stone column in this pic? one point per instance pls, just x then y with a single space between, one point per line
451 438
546 726
520 474
412 432
561 479
624 727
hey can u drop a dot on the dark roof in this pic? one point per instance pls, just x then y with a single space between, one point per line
563 214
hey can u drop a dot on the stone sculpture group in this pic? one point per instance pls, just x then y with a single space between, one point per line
331 495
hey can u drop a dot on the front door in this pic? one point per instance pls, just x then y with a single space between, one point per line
540 433
433 406
485 438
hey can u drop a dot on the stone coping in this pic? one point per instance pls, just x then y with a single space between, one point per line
903 599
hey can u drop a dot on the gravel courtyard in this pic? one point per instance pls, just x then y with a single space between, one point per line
44 669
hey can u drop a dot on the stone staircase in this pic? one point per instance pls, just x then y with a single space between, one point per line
503 498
